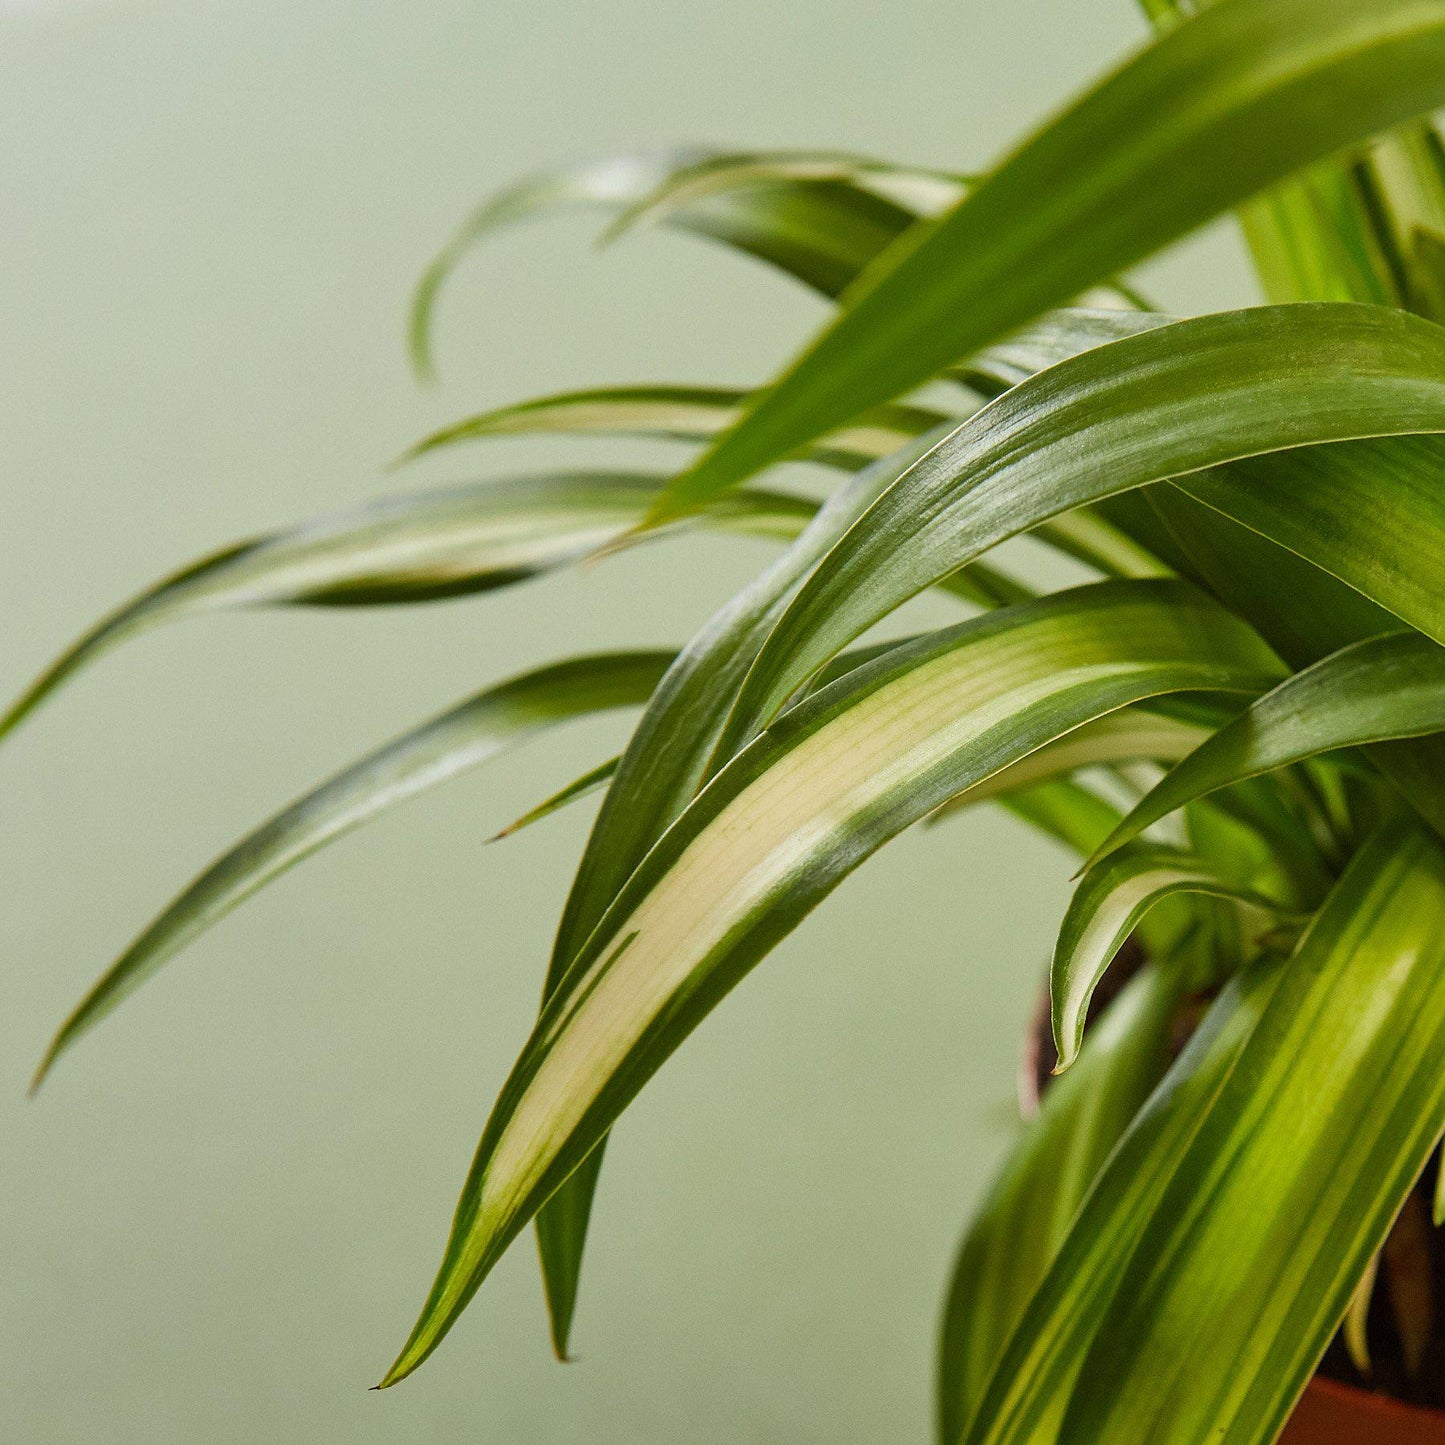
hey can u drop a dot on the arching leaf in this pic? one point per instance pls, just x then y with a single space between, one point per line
434 544
423 758
823 232
1173 400
771 836
1293 1180
1107 906
1213 111
1383 687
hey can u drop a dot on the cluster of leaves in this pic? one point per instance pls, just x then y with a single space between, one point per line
1232 725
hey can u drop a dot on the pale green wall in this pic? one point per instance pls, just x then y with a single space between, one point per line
218 1221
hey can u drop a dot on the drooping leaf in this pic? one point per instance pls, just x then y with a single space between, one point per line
687 413
433 544
1176 399
1213 111
823 232
1106 907
1025 1216
423 758
667 759
776 830
681 737
1301 611
1291 1184
697 413
1383 687
922 192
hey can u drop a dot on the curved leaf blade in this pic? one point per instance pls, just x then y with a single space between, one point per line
1292 1183
775 831
667 759
436 544
1029 1388
821 231
1172 400
1133 734
1378 689
434 753
1213 111
683 413
924 192
1107 906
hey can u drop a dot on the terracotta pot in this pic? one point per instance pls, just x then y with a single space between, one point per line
1333 1414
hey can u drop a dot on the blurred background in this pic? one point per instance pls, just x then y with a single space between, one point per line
218 1220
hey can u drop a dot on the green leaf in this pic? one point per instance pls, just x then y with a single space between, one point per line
1056 336
433 753
1213 111
667 759
1291 1184
1133 734
1173 400
1383 687
1028 1391
677 742
687 413
1065 811
1302 612
1026 1214
1106 908
1312 240
922 192
1405 177
680 741
697 413
429 545
771 836
823 232
592 781
1309 500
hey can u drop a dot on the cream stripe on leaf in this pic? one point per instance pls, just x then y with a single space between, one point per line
1119 415
667 759
1028 1388
777 829
681 413
1218 1249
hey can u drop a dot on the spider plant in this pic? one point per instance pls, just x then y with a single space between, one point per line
1233 723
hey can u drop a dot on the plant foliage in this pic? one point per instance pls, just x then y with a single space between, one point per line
1257 497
